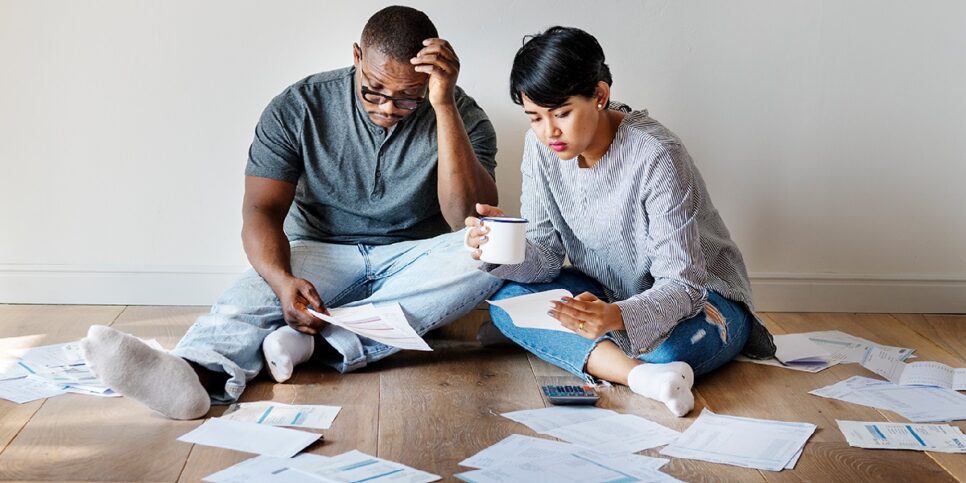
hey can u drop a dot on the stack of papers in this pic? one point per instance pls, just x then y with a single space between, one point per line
751 443
250 437
386 324
889 366
525 458
920 404
278 414
356 466
816 351
602 430
798 349
923 437
850 349
51 370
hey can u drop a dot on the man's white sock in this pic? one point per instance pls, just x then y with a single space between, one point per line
160 381
286 348
669 383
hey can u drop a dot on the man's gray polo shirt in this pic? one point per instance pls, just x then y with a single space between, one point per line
356 183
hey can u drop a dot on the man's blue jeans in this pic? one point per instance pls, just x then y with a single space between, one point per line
434 280
696 341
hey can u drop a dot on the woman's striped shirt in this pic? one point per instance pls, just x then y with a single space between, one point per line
641 223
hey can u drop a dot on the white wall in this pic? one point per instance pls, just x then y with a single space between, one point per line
830 133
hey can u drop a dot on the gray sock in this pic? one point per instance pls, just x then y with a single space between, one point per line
160 381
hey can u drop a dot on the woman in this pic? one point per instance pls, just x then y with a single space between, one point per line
663 291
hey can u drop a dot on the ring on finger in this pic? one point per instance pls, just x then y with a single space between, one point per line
580 326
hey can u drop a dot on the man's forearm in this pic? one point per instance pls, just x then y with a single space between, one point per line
267 247
462 181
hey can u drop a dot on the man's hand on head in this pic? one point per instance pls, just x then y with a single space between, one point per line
439 60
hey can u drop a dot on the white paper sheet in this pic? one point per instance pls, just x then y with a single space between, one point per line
622 433
920 404
12 369
840 347
530 310
851 349
65 354
565 468
27 389
922 437
250 437
798 349
746 442
267 469
386 324
278 414
519 449
544 419
356 466
922 373
813 367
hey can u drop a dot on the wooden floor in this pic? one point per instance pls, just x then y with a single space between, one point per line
431 410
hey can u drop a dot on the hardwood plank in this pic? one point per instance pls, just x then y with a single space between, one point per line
438 408
946 331
24 326
166 324
884 329
88 438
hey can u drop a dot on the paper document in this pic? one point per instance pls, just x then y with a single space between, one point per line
278 414
623 433
12 369
920 404
356 466
60 366
544 419
566 468
848 348
924 437
65 354
386 324
530 311
267 469
799 349
519 449
28 389
250 437
811 367
732 440
923 373
838 346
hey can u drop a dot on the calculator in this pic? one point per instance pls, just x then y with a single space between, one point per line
570 394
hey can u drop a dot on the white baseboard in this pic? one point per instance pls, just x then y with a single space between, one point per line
201 285
775 292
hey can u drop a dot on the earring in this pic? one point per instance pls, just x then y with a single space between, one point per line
600 106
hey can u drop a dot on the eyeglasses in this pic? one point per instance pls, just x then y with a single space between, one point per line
407 103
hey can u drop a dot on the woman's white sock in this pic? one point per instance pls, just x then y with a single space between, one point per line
286 348
669 383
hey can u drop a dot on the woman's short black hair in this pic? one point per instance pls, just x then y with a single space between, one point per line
557 64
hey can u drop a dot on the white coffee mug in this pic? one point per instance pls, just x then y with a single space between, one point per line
505 242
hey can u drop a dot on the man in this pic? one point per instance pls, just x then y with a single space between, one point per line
354 183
